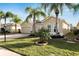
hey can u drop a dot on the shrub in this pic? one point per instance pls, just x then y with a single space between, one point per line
76 31
70 36
33 34
44 35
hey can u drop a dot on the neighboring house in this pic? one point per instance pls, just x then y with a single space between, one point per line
49 23
10 27
26 27
77 26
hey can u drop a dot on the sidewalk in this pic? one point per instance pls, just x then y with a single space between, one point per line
5 52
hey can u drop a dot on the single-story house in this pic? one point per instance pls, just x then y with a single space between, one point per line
77 26
26 27
10 27
48 23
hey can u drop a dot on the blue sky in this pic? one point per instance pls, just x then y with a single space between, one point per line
19 9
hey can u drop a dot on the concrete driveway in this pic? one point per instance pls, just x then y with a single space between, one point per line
12 36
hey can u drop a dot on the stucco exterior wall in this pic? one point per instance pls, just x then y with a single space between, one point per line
26 27
38 26
51 21
66 28
77 26
62 27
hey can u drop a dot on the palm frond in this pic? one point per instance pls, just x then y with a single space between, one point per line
40 13
53 6
45 6
61 7
9 14
16 19
29 9
76 8
1 14
69 5
29 17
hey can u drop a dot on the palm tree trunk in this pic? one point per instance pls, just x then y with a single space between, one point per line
34 28
0 24
56 24
5 29
15 27
56 28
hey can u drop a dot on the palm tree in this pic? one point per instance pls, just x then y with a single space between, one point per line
16 20
57 8
6 15
33 14
1 16
76 8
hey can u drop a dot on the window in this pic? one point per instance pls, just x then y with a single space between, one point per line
54 28
49 28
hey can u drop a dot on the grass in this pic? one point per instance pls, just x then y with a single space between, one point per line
27 47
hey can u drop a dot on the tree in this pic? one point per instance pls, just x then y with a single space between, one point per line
1 16
57 8
16 20
6 15
76 8
33 14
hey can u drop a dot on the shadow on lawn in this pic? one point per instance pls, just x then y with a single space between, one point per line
19 45
26 37
64 45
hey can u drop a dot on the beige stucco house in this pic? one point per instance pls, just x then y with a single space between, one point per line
48 23
26 27
77 26
10 27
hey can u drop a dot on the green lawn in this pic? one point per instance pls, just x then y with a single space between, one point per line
27 47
